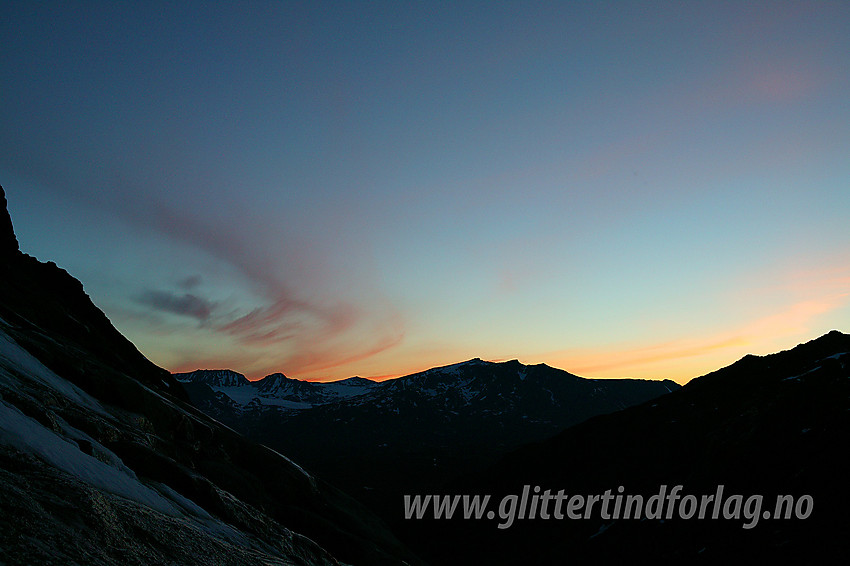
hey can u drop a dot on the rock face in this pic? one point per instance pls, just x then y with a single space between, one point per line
44 298
8 242
102 460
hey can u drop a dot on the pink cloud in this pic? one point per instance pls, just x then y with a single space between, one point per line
290 333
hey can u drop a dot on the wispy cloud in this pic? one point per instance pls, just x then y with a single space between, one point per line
189 283
306 335
286 325
324 357
186 304
628 359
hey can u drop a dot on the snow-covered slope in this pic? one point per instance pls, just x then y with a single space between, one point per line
52 469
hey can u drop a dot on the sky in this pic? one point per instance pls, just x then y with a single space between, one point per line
617 189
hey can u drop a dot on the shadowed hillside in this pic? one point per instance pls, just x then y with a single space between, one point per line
776 425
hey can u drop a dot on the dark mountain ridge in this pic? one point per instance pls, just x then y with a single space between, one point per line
772 426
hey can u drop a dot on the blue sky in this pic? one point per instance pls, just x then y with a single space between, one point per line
330 189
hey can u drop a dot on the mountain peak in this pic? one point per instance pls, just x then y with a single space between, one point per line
356 380
276 382
276 377
8 241
213 377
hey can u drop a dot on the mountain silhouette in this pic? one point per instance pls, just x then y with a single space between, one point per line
776 425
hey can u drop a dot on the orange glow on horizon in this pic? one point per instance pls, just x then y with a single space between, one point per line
688 358
816 293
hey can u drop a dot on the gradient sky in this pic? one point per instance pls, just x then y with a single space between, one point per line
625 189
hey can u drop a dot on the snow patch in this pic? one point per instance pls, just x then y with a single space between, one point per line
296 466
28 435
14 357
797 377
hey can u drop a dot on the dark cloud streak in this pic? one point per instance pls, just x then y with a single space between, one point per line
190 282
184 305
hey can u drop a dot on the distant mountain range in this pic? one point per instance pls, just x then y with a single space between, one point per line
102 460
414 433
275 390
